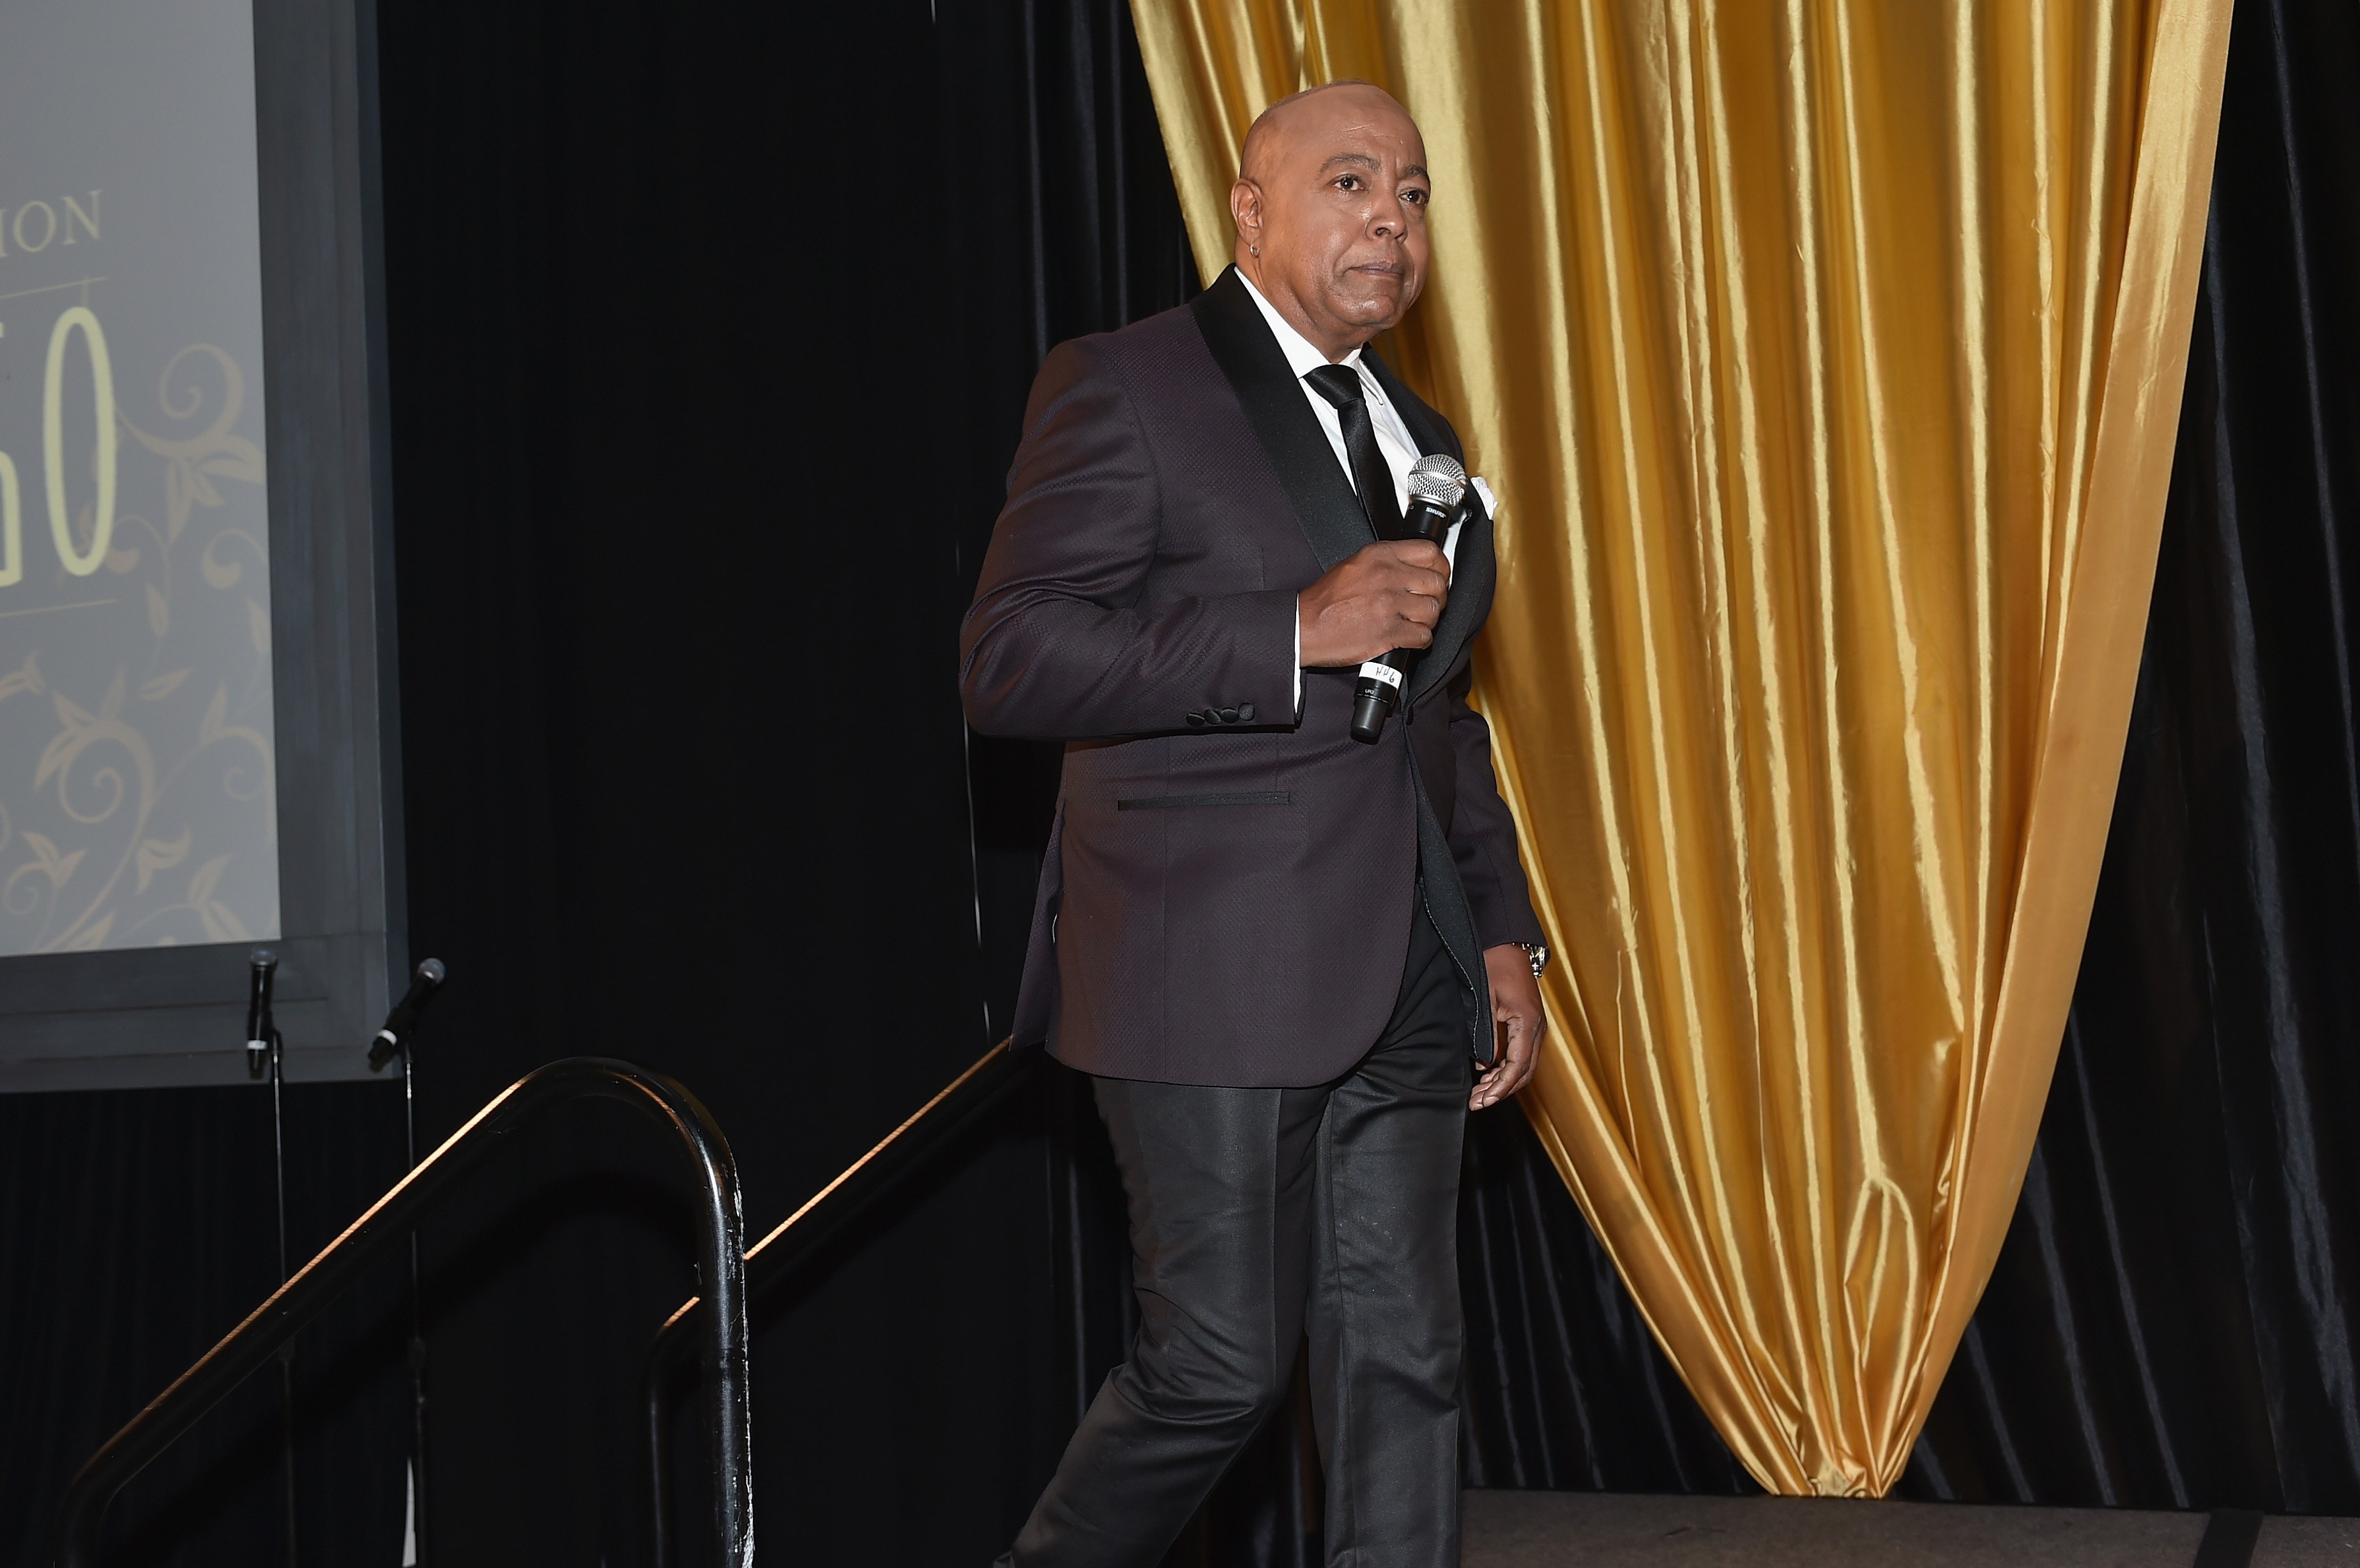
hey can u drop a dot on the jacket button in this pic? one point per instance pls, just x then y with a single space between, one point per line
1245 711
1197 720
1229 715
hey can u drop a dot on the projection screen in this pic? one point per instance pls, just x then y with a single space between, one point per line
194 733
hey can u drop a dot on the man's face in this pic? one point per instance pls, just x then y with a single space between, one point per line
1335 204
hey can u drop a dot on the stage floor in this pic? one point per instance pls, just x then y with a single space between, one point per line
1588 1530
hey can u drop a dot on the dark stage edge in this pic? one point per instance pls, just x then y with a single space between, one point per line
1594 1530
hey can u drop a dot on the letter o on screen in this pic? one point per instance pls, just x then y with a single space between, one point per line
49 226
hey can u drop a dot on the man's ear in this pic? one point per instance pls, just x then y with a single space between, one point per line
1245 210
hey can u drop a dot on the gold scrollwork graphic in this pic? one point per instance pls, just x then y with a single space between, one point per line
146 784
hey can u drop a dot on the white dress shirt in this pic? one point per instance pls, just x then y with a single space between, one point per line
1393 439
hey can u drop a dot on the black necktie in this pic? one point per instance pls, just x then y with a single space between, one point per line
1373 476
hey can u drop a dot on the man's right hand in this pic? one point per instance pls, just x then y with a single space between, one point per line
1385 595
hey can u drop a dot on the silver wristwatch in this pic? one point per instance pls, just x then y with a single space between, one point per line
1538 954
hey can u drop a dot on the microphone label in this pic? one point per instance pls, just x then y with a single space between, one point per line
1373 670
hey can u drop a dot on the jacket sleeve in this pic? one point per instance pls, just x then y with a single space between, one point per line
1483 834
1060 643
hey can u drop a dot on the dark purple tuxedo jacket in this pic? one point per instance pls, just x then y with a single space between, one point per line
1228 888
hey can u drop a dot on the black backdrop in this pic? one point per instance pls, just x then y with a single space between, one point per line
710 335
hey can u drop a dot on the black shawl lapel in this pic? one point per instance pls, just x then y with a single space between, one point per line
1333 524
1473 566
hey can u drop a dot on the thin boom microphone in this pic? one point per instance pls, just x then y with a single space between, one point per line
262 963
404 1017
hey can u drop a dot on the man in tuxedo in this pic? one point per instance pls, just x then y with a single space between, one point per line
1291 960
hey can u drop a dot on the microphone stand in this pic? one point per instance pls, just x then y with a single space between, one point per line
274 1060
417 1326
394 1041
287 1351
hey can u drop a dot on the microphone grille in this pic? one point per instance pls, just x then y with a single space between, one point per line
431 971
1437 477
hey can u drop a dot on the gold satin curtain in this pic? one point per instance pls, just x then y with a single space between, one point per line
1826 355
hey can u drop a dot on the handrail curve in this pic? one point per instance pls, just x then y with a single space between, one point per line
821 1217
245 1349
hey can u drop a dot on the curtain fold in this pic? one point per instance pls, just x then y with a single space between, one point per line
1827 359
2170 1323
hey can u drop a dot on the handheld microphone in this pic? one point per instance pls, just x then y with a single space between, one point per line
261 965
399 1022
1437 485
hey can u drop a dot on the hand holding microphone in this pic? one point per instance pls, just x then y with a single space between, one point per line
1379 607
1383 596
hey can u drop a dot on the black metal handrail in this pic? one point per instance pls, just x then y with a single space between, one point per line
721 1270
798 1237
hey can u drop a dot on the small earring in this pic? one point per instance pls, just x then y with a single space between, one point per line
1253 250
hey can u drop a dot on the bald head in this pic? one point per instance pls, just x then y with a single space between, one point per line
1330 210
1299 111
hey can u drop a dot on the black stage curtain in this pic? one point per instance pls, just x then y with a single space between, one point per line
136 1226
702 372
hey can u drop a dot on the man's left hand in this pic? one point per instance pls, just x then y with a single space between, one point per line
1516 1004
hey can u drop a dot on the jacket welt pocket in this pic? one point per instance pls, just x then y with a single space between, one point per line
1169 802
